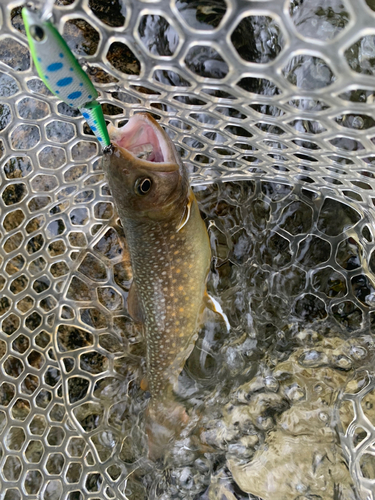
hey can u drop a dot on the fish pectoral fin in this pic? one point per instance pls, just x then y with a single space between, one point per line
214 306
186 215
134 304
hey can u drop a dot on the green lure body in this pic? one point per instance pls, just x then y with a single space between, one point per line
61 72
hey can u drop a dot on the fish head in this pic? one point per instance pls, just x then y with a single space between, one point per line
145 173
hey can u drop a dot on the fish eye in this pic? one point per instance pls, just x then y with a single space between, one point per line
37 32
142 186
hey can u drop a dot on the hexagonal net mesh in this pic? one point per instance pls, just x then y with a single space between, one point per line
270 104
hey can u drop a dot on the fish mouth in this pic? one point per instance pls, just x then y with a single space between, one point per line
144 139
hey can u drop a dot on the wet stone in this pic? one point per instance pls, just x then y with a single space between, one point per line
103 210
74 472
109 298
14 193
21 409
4 305
59 131
3 350
35 223
36 86
71 338
257 39
310 308
76 446
52 376
37 265
59 269
57 413
330 282
360 55
75 173
307 18
277 252
172 79
111 14
78 290
19 284
15 438
13 242
25 304
55 463
8 85
203 15
335 216
5 116
93 362
35 244
30 384
109 245
349 254
12 468
33 482
313 251
81 37
10 324
206 62
7 393
308 72
38 203
260 86
93 268
77 388
31 108
79 216
348 315
290 281
93 482
25 137
363 289
242 246
157 35
122 59
13 220
52 157
56 248
347 144
84 150
14 54
13 367
38 425
296 218
111 343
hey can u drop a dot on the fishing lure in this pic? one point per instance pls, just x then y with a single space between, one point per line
61 72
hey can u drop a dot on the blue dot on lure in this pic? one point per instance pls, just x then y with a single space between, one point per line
61 72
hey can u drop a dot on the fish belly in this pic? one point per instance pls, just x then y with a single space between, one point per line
170 269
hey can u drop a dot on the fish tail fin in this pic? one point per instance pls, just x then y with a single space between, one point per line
164 423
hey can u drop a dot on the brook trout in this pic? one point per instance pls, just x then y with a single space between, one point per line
170 256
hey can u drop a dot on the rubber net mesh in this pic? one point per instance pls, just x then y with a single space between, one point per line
276 98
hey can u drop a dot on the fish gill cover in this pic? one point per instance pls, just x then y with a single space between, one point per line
270 104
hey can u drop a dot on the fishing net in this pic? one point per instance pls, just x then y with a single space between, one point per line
270 104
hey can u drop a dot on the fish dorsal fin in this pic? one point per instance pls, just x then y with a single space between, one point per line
186 215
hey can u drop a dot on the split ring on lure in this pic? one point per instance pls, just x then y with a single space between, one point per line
61 72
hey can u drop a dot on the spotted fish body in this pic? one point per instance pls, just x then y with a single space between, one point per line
61 72
169 248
